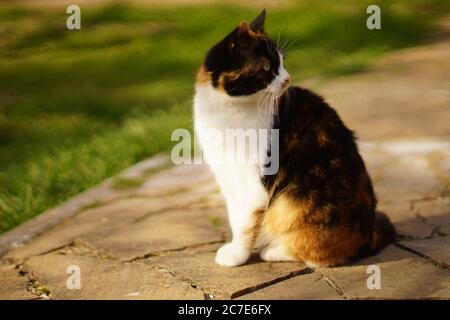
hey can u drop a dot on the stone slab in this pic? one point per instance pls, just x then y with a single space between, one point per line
52 217
436 212
13 285
198 267
403 276
107 279
437 249
135 226
303 287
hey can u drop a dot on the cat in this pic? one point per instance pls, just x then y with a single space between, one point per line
320 206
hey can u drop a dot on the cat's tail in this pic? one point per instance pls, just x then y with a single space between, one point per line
383 232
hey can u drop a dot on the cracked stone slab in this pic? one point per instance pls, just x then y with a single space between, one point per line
107 279
437 249
13 285
401 170
303 287
436 212
403 276
405 220
198 267
132 227
168 231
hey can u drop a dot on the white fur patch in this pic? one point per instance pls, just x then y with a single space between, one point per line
276 85
240 183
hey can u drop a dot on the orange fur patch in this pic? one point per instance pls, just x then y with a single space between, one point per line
306 239
254 230
203 77
249 69
244 26
322 139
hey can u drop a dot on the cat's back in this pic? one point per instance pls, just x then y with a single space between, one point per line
306 108
310 124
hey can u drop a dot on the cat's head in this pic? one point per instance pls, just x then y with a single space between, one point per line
245 62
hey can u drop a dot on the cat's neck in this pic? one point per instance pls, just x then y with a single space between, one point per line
245 111
217 109
221 99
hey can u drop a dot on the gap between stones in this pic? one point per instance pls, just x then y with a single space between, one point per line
43 292
440 265
158 253
435 233
333 285
443 194
33 284
266 284
19 262
198 204
435 230
206 295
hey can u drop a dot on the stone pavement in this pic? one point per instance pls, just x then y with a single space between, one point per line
152 232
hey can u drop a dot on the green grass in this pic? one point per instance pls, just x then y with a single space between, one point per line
77 107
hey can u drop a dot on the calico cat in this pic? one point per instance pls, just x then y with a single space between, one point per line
319 207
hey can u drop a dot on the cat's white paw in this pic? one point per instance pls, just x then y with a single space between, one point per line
231 255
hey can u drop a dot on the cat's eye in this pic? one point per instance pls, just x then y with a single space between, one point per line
266 66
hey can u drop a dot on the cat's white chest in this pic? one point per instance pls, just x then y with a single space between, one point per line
240 184
246 118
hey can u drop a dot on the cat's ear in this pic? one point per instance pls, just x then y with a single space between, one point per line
243 30
239 38
257 25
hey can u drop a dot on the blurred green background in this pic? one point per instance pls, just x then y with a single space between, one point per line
77 107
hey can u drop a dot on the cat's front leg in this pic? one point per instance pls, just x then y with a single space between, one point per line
245 197
238 251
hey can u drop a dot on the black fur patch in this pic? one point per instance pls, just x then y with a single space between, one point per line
319 161
237 62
